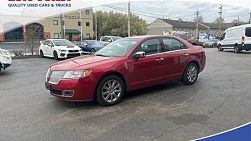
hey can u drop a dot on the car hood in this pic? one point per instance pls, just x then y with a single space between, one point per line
74 63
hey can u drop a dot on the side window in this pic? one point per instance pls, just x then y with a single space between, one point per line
151 46
83 43
172 44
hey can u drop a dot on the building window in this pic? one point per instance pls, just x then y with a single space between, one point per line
56 35
88 35
79 23
55 22
87 24
87 12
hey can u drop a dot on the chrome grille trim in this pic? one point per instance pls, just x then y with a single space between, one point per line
56 76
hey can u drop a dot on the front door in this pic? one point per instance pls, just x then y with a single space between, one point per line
148 70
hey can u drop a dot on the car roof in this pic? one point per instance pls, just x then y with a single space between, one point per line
150 36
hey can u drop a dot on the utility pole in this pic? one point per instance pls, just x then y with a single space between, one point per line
197 23
81 25
96 26
249 17
220 12
129 19
62 26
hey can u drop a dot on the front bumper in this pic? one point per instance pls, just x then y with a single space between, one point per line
82 89
68 54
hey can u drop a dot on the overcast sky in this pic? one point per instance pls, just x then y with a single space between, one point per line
180 9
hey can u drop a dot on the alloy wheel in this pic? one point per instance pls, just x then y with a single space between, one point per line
192 73
111 91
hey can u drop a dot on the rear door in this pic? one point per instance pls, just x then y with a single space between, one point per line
247 39
175 55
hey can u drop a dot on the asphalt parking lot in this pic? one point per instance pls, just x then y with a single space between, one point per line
220 100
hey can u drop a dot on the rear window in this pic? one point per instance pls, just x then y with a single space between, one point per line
248 32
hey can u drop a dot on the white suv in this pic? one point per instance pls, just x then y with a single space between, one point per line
5 59
59 48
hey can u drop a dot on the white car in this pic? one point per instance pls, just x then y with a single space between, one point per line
5 59
108 39
59 48
237 38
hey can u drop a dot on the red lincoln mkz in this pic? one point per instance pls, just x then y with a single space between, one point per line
126 64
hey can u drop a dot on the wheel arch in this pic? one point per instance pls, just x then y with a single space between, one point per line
116 73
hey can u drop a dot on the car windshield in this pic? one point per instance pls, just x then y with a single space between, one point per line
62 43
118 48
93 42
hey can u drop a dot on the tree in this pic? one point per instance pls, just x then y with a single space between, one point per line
219 20
200 19
110 23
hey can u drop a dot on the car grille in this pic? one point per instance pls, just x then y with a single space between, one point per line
73 50
56 76
73 55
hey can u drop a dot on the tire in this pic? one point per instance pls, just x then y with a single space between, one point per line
93 51
191 73
219 48
213 45
41 54
106 95
55 55
237 49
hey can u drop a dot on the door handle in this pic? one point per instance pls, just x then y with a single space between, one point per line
185 54
160 59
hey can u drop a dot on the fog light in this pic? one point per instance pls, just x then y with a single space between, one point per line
68 93
62 54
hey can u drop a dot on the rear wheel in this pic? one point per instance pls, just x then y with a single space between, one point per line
220 48
110 90
191 73
237 49
55 55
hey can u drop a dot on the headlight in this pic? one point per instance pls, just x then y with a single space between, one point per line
61 50
77 74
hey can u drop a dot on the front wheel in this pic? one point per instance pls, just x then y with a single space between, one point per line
110 90
191 73
41 54
93 51
55 55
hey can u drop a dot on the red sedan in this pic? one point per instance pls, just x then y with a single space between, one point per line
126 64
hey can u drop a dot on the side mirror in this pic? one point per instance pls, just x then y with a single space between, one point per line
109 40
140 54
50 45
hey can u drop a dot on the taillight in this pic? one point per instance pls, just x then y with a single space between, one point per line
242 39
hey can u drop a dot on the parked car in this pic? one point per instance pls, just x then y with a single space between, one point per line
59 48
5 59
210 43
237 38
108 39
126 64
90 46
